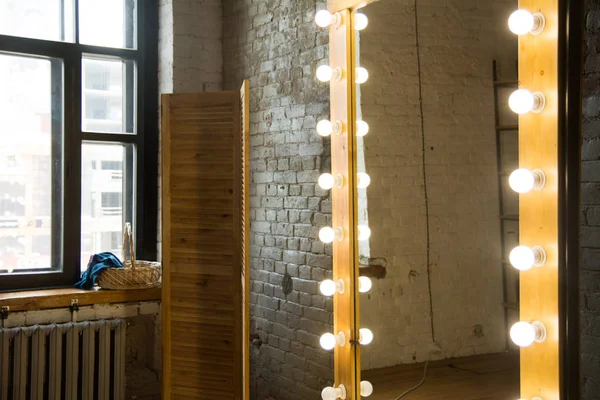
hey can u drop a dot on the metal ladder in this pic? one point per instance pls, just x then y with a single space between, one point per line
501 130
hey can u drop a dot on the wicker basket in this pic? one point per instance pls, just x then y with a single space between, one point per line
137 274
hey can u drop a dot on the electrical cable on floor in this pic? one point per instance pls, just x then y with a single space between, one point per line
417 385
479 372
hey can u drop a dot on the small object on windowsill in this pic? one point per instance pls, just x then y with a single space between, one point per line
97 264
137 274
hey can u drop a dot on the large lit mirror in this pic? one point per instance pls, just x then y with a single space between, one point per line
437 216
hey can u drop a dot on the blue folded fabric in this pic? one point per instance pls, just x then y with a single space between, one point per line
98 263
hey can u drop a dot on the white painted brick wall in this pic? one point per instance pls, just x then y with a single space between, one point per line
458 40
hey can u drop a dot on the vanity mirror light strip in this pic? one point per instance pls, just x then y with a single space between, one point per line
536 23
343 338
536 180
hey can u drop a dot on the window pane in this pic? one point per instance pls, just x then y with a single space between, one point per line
108 95
38 19
107 23
106 197
30 163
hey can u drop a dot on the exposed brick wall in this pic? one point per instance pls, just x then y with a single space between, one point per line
590 199
276 45
458 162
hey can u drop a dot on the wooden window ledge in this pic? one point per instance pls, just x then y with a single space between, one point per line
59 298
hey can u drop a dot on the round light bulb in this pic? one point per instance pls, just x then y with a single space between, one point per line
331 393
328 341
363 180
324 73
364 232
524 334
326 234
323 18
361 75
324 127
524 258
523 180
327 287
365 336
366 388
362 128
521 22
326 181
522 101
360 21
364 284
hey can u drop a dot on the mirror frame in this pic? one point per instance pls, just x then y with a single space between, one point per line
560 377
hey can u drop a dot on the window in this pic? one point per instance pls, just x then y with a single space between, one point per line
78 135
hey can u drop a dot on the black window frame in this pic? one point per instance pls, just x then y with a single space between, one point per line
145 141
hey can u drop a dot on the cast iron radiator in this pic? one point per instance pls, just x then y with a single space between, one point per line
71 361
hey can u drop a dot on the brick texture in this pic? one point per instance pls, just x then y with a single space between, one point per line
590 207
276 45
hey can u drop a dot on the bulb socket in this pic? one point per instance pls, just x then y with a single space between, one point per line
337 20
340 287
539 179
339 181
338 127
337 74
340 339
540 256
540 331
539 23
539 102
339 233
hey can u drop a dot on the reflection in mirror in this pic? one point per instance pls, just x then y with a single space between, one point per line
440 146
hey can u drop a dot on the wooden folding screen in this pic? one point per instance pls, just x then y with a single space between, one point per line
203 227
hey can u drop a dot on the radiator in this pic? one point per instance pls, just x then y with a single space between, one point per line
72 361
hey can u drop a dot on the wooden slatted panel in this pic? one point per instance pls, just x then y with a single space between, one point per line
538 137
342 154
245 166
202 246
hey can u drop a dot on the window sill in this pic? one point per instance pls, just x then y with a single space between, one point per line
59 298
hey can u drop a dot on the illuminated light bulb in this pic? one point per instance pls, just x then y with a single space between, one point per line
327 181
522 101
324 127
524 334
329 287
360 21
362 128
364 232
522 22
361 75
324 18
363 180
327 234
331 393
364 284
328 340
365 336
325 73
366 388
523 180
524 258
